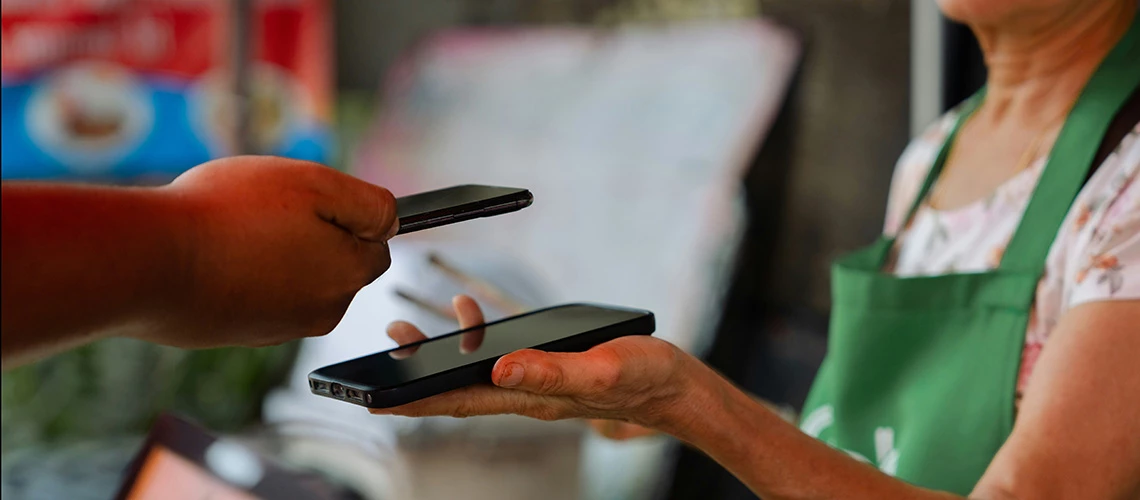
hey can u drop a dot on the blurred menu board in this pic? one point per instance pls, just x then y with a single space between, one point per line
123 90
634 142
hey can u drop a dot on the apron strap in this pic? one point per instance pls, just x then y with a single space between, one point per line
1072 154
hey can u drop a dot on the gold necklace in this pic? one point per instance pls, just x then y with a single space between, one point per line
1031 151
1024 162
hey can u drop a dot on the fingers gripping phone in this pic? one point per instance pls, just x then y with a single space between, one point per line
381 381
456 204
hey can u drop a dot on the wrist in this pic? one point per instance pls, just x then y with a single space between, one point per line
712 413
167 280
697 397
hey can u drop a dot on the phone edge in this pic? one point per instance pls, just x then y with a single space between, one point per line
518 201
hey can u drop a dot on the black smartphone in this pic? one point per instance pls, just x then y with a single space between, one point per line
381 381
456 204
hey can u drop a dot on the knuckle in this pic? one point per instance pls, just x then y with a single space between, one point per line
609 354
310 193
608 376
309 174
314 180
364 275
547 413
377 213
552 380
341 302
325 323
385 199
461 410
379 263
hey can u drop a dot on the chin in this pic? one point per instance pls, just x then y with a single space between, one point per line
995 12
974 11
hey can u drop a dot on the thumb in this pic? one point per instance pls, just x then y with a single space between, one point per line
556 373
365 210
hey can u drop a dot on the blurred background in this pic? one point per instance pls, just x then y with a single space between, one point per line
704 159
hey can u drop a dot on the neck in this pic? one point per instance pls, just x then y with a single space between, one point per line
1038 64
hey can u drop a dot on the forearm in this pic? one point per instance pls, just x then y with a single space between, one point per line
770 455
83 262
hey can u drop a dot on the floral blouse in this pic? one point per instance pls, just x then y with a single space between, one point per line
1095 257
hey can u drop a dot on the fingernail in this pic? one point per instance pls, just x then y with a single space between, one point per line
393 230
465 350
512 375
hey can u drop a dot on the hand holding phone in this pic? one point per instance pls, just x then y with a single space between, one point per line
470 315
460 359
632 378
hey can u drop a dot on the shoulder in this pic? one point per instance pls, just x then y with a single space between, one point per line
1097 250
913 166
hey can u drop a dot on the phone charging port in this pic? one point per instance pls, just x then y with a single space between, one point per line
319 386
338 390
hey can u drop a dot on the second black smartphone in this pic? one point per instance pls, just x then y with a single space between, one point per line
438 366
456 204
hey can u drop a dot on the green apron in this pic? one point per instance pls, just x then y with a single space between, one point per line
920 373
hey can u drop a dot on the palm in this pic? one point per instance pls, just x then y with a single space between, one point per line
631 379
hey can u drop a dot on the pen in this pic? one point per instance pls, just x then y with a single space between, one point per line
493 294
435 309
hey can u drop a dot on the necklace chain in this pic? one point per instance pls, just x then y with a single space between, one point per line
1027 156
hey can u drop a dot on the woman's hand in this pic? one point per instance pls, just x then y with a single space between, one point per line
637 379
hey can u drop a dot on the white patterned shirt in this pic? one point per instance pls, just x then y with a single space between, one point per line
1095 256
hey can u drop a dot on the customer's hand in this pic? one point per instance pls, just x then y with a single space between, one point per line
275 250
637 379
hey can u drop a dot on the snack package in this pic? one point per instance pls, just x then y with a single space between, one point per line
129 90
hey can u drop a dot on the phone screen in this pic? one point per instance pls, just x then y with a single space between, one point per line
381 371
